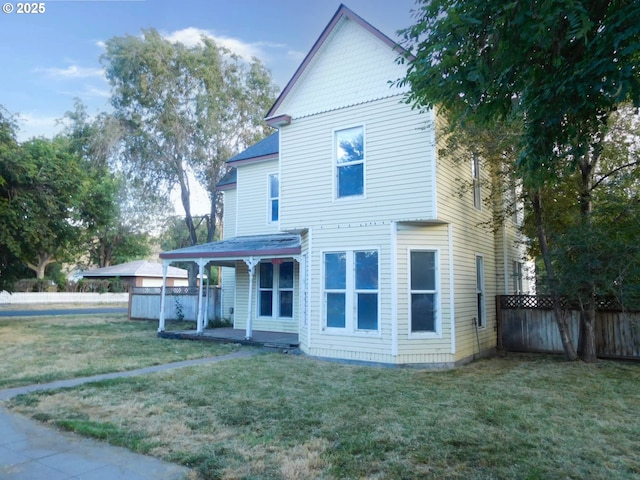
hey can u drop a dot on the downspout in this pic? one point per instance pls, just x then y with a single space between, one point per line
394 289
161 322
251 265
452 286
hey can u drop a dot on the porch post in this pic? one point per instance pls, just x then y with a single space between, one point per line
200 318
251 265
161 323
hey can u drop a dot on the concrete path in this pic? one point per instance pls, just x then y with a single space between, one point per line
31 451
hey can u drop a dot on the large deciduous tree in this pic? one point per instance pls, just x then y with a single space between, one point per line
561 68
44 188
186 110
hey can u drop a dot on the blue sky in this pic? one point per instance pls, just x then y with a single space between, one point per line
49 58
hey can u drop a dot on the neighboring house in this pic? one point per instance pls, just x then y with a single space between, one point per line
140 273
345 226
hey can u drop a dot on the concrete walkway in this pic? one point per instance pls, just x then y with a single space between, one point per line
31 451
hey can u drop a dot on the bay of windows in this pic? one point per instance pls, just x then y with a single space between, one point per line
351 290
424 313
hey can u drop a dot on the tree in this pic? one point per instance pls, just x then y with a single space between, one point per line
44 189
186 110
560 68
10 264
116 214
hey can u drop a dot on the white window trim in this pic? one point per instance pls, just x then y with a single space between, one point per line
270 221
350 296
476 179
483 289
438 321
275 293
334 165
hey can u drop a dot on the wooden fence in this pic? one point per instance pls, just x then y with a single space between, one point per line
526 323
144 303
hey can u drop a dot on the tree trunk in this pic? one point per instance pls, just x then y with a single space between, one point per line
587 345
560 314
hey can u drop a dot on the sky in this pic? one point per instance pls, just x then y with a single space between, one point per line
47 59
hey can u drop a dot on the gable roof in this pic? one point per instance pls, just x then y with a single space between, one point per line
342 12
265 149
140 268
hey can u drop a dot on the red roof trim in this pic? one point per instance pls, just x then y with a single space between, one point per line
341 12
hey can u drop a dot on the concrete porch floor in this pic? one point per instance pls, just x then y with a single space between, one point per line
233 335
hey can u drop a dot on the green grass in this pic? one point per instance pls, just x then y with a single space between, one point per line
276 416
45 349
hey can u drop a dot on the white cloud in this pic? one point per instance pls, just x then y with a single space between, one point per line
192 36
35 125
72 71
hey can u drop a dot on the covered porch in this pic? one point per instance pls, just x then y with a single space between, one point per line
234 335
249 252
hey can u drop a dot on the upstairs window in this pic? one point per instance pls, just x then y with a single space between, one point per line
274 198
349 154
475 172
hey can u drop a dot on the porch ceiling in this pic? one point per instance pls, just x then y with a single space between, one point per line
225 252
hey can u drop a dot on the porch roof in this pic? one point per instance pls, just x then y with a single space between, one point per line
238 248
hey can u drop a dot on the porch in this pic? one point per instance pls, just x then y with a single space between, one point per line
259 338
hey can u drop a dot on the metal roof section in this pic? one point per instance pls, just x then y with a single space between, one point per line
140 268
276 245
265 149
229 180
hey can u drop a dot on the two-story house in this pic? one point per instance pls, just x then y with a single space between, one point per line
346 228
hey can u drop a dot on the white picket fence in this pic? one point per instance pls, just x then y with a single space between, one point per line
17 298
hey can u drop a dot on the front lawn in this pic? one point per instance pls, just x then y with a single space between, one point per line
44 349
274 416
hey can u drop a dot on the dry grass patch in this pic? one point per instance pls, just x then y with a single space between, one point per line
44 349
274 416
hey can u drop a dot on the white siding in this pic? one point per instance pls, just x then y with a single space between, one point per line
230 199
252 215
228 280
399 156
338 77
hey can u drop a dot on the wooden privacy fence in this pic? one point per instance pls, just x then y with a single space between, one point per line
526 323
179 303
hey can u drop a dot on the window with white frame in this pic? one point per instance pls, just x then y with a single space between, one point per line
480 297
275 290
424 292
349 154
274 198
475 172
351 290
517 277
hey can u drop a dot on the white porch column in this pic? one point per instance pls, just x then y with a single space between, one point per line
251 265
161 323
200 318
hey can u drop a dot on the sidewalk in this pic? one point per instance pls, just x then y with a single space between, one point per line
31 451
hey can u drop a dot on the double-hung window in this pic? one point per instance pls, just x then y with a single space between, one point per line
274 198
349 154
351 290
475 172
424 292
275 297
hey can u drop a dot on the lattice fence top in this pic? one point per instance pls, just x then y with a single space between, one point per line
169 291
545 302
